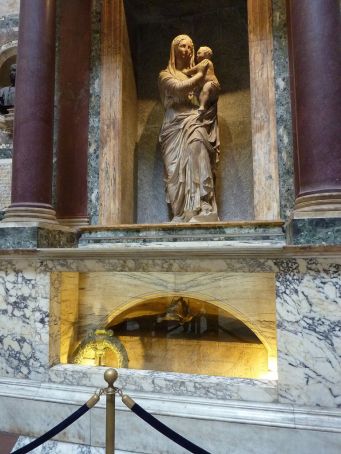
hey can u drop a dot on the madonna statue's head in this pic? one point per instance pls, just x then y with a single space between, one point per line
181 54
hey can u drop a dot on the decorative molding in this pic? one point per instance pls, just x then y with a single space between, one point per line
260 414
209 250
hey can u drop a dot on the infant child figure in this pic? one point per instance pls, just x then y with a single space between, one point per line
210 90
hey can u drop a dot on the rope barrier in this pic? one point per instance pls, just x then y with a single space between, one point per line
61 426
162 428
110 377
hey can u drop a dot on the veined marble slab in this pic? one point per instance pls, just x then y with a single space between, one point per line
199 386
24 335
59 447
253 231
309 338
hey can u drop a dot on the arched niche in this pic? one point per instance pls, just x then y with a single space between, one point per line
93 301
240 31
8 56
186 334
100 348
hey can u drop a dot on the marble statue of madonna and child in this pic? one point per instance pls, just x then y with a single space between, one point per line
189 136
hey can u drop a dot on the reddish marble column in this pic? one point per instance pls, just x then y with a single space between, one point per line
315 66
74 75
33 124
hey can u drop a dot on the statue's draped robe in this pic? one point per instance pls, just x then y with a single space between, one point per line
190 148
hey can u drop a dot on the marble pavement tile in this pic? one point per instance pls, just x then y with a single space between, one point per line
57 447
37 417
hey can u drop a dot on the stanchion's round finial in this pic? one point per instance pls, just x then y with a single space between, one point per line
110 376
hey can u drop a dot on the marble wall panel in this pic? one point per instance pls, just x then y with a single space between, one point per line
55 337
24 336
9 23
283 108
309 338
94 114
9 7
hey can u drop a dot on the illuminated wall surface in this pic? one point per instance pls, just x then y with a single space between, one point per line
144 321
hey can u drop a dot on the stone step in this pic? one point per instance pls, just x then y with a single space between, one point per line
245 232
7 441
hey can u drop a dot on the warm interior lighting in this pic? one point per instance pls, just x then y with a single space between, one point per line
179 335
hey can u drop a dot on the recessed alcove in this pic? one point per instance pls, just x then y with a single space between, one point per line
172 322
5 70
136 38
175 334
223 27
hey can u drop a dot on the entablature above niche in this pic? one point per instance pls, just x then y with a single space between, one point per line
186 257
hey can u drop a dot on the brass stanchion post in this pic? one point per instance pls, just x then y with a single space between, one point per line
110 376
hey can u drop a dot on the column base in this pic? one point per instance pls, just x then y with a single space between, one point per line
30 214
323 205
34 235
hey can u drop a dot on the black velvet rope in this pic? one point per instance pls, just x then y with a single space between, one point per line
174 436
54 431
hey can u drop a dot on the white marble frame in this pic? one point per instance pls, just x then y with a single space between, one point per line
308 307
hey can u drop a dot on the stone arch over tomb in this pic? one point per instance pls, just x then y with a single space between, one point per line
267 342
8 53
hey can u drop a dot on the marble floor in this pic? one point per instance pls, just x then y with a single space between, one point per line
7 441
